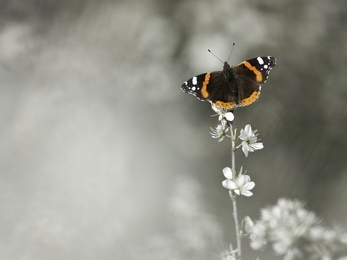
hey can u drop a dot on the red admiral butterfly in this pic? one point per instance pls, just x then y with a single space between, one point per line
233 87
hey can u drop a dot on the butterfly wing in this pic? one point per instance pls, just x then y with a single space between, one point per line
250 74
195 86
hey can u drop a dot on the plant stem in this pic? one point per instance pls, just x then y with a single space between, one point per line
232 196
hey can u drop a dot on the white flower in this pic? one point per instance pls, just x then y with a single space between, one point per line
241 184
223 113
249 140
220 131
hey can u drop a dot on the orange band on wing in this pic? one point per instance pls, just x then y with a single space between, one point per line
259 76
250 99
204 91
227 105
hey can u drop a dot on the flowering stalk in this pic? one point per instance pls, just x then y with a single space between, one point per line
236 183
232 196
292 231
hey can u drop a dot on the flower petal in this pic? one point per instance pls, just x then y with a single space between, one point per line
229 116
232 185
247 178
245 148
247 193
248 129
228 184
243 135
249 185
257 146
237 192
227 173
240 181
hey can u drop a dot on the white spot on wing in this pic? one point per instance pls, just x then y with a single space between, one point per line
194 80
260 60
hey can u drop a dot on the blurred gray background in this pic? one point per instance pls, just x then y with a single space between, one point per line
104 157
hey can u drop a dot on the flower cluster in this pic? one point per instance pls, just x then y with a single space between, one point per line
295 233
240 184
248 136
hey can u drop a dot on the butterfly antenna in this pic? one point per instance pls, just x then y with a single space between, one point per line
214 55
232 48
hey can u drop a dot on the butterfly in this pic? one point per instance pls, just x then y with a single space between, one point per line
235 86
